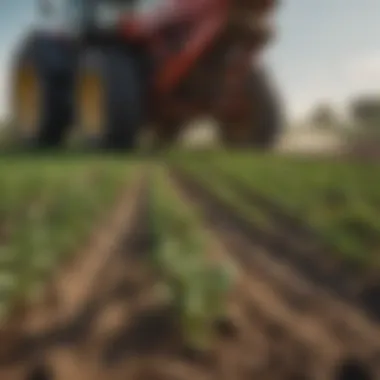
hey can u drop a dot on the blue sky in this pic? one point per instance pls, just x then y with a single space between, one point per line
325 50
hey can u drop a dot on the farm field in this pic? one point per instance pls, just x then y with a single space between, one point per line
208 264
339 200
48 207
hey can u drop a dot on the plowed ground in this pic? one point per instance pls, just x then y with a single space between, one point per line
100 320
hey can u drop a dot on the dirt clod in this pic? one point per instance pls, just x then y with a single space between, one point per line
226 328
353 369
40 372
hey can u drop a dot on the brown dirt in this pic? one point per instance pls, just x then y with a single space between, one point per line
291 240
107 322
81 296
296 317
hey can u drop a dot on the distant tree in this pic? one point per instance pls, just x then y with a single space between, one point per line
365 111
324 116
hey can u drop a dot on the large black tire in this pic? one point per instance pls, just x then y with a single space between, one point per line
265 120
48 63
111 98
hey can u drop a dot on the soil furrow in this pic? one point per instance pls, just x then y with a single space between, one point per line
304 240
86 294
280 295
108 321
318 265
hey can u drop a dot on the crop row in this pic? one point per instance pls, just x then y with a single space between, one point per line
196 285
47 208
340 200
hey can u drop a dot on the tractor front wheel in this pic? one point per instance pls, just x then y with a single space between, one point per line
42 89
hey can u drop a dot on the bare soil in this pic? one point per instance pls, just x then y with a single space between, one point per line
301 316
107 323
292 241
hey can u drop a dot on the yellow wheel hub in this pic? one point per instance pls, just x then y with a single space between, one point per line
27 100
91 104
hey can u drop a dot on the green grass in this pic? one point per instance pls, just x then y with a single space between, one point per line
226 192
340 200
197 287
48 206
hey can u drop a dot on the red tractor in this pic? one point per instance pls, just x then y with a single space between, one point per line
113 67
